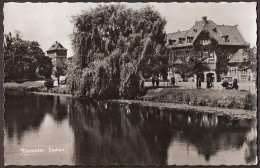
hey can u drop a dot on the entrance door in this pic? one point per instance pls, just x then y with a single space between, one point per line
211 76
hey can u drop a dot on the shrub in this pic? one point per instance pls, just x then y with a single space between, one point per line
202 102
250 102
187 98
215 103
49 83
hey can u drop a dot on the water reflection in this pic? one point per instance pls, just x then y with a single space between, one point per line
108 133
146 135
26 113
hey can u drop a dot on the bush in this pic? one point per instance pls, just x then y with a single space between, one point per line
187 98
49 83
202 102
250 102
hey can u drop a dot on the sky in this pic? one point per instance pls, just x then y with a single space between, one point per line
50 22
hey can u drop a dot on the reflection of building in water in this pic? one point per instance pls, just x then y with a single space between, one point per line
204 120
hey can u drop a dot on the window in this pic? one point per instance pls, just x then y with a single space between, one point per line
232 71
171 42
244 72
205 54
189 39
181 40
211 55
205 42
225 38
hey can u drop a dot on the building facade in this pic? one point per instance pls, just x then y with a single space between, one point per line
220 46
57 53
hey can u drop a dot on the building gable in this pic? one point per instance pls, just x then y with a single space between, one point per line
223 34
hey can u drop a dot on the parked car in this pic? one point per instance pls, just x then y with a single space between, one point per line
227 83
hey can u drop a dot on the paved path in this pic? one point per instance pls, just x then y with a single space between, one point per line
217 85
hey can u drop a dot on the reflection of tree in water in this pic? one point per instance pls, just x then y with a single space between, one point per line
105 136
59 111
210 133
25 112
251 151
111 133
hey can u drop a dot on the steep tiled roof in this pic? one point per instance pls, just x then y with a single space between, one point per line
215 31
56 46
176 35
234 36
237 57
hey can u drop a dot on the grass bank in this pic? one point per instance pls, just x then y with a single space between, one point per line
34 86
232 99
233 113
26 86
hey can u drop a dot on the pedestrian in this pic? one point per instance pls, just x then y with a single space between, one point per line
212 82
235 86
173 80
157 81
199 83
208 82
153 80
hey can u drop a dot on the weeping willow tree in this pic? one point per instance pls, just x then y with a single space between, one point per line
112 45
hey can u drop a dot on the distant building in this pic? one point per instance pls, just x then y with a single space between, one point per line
57 53
209 40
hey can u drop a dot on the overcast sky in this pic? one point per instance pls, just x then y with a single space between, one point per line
50 22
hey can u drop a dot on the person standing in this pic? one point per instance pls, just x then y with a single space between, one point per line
173 80
157 81
208 82
235 85
199 83
153 80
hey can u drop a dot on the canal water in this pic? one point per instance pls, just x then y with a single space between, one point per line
110 133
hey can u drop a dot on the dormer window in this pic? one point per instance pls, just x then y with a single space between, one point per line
189 39
214 29
225 38
181 40
195 30
171 42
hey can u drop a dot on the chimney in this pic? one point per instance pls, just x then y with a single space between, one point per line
178 30
204 19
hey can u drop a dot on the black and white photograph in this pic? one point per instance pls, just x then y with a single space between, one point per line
119 83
